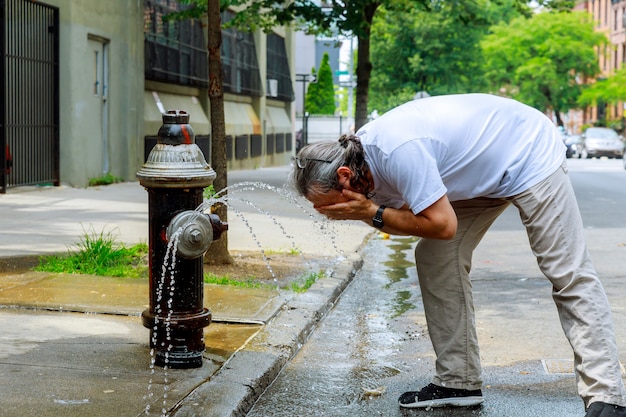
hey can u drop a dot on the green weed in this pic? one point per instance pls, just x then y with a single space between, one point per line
99 254
299 286
306 282
291 251
106 179
209 192
210 278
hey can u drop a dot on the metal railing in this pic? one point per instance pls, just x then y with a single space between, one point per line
313 128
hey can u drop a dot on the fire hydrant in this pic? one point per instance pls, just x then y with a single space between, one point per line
175 176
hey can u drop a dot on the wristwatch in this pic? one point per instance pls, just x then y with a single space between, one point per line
377 220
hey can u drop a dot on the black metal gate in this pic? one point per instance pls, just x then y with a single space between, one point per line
29 94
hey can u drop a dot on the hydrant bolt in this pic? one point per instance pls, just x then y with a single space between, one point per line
196 236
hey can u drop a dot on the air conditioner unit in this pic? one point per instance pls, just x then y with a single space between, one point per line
272 87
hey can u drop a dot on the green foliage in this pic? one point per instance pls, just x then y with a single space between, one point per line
306 282
299 286
320 95
106 179
209 192
611 90
210 278
99 254
336 16
436 50
541 60
355 18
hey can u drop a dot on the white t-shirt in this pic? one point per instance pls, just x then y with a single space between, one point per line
465 146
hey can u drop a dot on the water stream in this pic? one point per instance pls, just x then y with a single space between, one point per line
230 197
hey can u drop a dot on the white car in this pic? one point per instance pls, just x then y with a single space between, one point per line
602 141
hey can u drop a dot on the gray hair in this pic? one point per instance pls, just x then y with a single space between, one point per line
315 166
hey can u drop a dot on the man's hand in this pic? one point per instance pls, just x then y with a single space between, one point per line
435 222
355 207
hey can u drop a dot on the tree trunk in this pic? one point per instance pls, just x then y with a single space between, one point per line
218 251
363 67
559 119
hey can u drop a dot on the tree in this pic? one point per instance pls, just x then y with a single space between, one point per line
543 61
347 17
351 17
436 50
320 95
219 249
611 90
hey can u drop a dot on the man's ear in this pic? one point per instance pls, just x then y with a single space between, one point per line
343 176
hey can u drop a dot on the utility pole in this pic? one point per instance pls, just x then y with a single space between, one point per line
304 79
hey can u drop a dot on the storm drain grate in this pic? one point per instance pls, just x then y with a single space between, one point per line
565 366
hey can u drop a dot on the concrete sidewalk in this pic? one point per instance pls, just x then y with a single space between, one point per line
74 345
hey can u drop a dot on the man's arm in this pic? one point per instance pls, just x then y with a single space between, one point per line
437 221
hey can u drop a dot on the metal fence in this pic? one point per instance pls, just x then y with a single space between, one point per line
314 128
29 93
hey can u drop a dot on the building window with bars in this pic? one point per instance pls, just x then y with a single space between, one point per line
175 50
239 61
279 85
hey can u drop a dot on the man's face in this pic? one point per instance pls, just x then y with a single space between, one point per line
321 198
328 198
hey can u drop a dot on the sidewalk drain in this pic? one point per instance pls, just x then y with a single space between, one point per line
565 366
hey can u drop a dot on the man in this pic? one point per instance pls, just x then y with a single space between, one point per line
444 168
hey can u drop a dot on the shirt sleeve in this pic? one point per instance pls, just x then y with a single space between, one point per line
413 171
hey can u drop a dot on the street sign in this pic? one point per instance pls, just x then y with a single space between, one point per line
342 72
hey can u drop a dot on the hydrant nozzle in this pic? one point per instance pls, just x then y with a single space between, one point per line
194 232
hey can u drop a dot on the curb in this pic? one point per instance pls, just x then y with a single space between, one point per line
233 390
14 264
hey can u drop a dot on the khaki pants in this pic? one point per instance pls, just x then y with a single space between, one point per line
550 213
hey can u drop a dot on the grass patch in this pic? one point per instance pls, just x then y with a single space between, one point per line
210 278
106 179
292 251
299 286
306 282
99 254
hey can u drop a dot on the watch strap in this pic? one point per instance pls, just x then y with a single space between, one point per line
377 221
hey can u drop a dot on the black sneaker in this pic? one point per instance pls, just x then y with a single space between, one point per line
435 396
600 409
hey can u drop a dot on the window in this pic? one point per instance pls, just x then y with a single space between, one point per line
239 61
175 51
278 73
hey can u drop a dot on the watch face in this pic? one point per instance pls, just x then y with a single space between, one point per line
378 222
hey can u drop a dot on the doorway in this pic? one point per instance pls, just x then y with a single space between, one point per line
98 111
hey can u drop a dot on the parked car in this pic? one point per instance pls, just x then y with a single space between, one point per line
602 141
573 146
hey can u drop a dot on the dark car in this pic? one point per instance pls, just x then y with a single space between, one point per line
602 141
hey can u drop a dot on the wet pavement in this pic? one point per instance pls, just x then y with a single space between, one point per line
372 347
75 345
